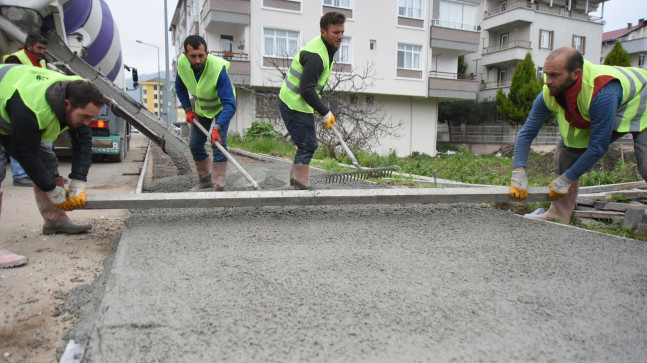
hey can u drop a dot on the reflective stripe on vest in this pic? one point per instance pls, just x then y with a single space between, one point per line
290 92
631 115
207 103
32 83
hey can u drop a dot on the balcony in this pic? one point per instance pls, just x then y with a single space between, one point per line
634 46
458 37
227 11
496 84
524 11
512 51
450 86
239 66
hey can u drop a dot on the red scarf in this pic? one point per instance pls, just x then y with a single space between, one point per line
568 101
33 58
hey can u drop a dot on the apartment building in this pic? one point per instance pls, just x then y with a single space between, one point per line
152 95
510 29
411 46
633 39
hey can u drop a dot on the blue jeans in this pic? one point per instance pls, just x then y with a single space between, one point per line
17 172
301 127
197 139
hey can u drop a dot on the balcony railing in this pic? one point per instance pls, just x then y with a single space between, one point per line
448 75
239 56
496 84
561 11
508 45
453 25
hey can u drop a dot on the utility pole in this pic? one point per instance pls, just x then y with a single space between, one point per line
167 84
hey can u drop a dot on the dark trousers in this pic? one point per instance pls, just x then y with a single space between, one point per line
197 139
301 127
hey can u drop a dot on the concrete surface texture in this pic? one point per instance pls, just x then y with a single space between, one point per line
369 283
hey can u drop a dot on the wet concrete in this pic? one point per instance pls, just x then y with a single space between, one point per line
366 283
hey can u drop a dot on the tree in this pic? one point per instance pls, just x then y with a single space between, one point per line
462 67
618 56
525 87
360 120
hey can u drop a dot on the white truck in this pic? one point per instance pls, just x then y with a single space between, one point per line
84 40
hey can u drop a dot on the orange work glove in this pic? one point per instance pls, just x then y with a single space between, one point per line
190 116
519 184
215 136
329 119
559 187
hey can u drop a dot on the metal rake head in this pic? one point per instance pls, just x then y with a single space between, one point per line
360 174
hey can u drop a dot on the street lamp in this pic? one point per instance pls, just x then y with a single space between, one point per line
159 99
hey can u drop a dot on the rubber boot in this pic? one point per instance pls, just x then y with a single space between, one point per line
56 220
204 173
301 176
219 172
561 209
8 259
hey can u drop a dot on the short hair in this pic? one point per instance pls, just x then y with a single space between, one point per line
81 92
194 41
35 38
331 17
574 61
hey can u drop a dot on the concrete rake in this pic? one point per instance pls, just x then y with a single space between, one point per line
360 173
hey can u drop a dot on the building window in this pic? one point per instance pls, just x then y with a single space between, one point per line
372 44
504 39
579 42
155 96
409 56
226 43
155 105
457 15
352 99
410 8
540 74
155 87
545 39
191 10
502 77
280 43
337 3
343 54
144 90
369 100
641 60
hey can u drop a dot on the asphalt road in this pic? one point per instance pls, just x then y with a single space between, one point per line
447 282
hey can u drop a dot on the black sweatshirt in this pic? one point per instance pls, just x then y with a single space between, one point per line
312 68
24 139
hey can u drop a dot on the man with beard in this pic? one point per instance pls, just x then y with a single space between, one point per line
301 92
205 76
595 105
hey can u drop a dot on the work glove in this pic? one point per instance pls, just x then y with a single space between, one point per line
559 187
57 196
75 196
215 136
519 184
329 119
190 116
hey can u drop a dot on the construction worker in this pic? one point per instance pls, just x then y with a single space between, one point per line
595 105
205 76
36 105
301 91
32 54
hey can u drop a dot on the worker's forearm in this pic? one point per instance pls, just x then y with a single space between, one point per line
529 131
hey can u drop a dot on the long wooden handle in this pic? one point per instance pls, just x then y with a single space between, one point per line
228 155
343 144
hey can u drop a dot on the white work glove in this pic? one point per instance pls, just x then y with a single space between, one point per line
329 119
559 187
519 184
76 187
76 196
57 196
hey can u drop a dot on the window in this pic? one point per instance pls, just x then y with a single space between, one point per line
540 73
545 39
155 96
352 99
369 100
578 43
155 87
372 44
338 3
409 56
226 43
191 10
641 60
144 90
343 54
410 8
457 15
280 43
504 39
502 77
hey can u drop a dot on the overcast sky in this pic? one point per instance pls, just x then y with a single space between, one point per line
144 20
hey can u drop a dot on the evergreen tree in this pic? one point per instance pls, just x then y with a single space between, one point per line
618 56
515 107
462 67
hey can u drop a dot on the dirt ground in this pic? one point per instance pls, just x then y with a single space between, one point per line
31 325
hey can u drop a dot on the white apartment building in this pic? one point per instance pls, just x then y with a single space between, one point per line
633 39
510 29
413 46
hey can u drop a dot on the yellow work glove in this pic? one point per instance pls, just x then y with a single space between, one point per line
329 119
76 196
519 184
559 187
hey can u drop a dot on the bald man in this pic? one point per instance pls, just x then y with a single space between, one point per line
595 105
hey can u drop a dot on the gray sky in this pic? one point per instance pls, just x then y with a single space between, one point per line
144 20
